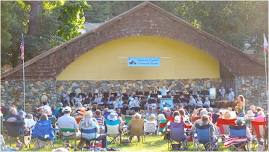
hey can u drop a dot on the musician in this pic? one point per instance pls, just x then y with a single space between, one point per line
222 92
231 95
163 91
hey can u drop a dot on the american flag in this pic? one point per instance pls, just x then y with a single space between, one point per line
22 48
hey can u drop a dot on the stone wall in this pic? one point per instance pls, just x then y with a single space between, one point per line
253 88
12 91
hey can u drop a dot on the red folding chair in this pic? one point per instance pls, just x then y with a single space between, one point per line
223 125
258 129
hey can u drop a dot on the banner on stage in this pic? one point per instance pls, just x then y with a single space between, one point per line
143 61
166 102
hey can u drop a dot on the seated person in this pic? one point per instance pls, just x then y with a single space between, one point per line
162 121
57 112
260 114
151 124
90 123
134 104
67 121
118 103
13 116
192 101
45 108
204 121
133 124
29 122
206 103
100 120
199 102
43 131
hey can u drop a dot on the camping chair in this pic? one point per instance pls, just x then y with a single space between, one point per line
176 136
223 126
150 128
15 130
113 131
71 135
43 132
237 138
137 128
202 136
91 142
259 132
127 119
162 126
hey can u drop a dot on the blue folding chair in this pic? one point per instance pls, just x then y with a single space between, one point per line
238 138
203 136
89 131
44 131
177 136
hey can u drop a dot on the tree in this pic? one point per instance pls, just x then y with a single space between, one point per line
71 16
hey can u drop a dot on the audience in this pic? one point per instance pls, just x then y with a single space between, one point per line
103 107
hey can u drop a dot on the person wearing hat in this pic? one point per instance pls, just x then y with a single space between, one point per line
67 121
88 122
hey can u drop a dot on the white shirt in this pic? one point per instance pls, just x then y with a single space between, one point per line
134 103
207 103
231 96
192 101
67 121
199 103
118 104
163 91
29 123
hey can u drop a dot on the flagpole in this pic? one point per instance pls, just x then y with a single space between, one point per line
23 84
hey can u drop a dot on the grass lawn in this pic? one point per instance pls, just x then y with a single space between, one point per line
152 143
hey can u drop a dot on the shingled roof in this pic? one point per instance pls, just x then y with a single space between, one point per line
144 19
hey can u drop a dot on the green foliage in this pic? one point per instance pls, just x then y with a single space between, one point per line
59 21
12 25
102 11
71 16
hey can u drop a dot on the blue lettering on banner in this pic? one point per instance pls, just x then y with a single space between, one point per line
143 61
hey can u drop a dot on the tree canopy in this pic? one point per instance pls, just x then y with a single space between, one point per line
46 24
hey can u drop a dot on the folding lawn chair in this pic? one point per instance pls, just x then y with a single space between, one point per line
176 136
137 128
259 132
67 134
203 136
237 138
113 131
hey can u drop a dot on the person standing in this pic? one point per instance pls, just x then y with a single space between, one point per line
231 95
